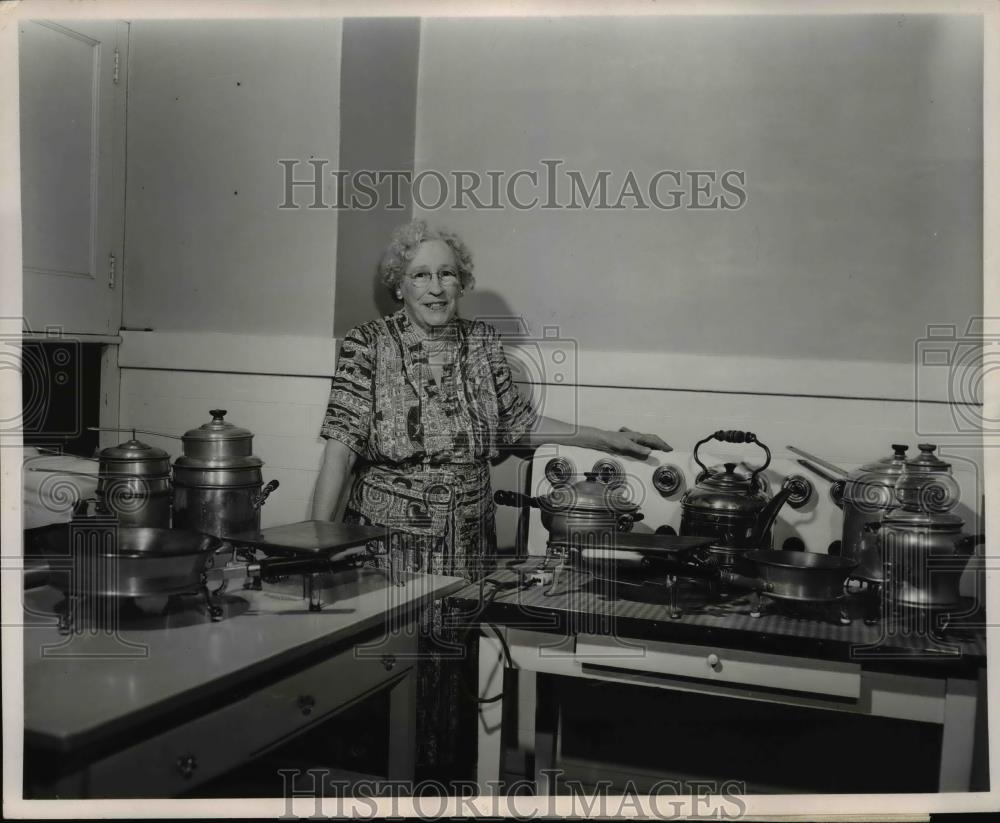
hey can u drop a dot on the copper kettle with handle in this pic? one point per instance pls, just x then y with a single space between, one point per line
729 506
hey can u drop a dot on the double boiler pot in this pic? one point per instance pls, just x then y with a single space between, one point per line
919 550
218 482
134 484
867 496
588 513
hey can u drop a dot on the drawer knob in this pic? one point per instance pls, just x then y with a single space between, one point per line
186 765
389 662
714 662
306 704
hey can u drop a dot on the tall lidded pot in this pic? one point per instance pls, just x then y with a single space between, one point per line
218 483
921 548
867 496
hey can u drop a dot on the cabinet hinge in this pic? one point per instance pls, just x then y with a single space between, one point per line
111 270
118 60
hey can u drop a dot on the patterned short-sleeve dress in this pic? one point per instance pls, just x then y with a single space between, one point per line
423 473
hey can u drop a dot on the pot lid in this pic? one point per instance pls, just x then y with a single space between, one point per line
937 521
218 429
728 491
590 495
887 467
727 480
874 484
131 451
927 483
218 463
927 461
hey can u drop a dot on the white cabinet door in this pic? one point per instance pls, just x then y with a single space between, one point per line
72 92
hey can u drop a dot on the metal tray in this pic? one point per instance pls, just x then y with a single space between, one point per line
308 537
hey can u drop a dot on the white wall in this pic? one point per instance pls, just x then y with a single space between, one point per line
212 106
228 280
861 142
860 139
853 187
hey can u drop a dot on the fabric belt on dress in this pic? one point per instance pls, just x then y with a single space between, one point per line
422 498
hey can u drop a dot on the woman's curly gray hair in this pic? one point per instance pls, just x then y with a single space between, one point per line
403 246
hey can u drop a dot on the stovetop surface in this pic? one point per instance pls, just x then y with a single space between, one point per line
581 603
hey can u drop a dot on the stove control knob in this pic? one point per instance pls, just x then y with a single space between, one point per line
186 765
559 470
667 480
389 662
714 662
609 471
800 490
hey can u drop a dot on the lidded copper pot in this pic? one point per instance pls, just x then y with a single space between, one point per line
921 549
729 506
218 481
134 484
867 495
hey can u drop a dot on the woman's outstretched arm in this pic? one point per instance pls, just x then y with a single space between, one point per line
624 441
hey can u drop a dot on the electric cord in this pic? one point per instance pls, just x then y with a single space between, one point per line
485 601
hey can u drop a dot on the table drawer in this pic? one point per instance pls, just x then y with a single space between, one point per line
721 665
212 744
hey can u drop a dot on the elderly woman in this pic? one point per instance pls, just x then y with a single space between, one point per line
421 402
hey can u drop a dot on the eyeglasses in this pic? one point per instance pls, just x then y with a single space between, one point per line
421 280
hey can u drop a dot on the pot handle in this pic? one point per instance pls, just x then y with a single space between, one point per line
967 543
81 508
261 498
625 521
516 499
742 581
734 436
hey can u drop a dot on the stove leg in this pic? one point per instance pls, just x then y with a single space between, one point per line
214 611
755 604
556 573
315 593
844 617
873 598
65 621
675 610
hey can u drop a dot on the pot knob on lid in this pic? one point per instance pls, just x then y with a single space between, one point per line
927 484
